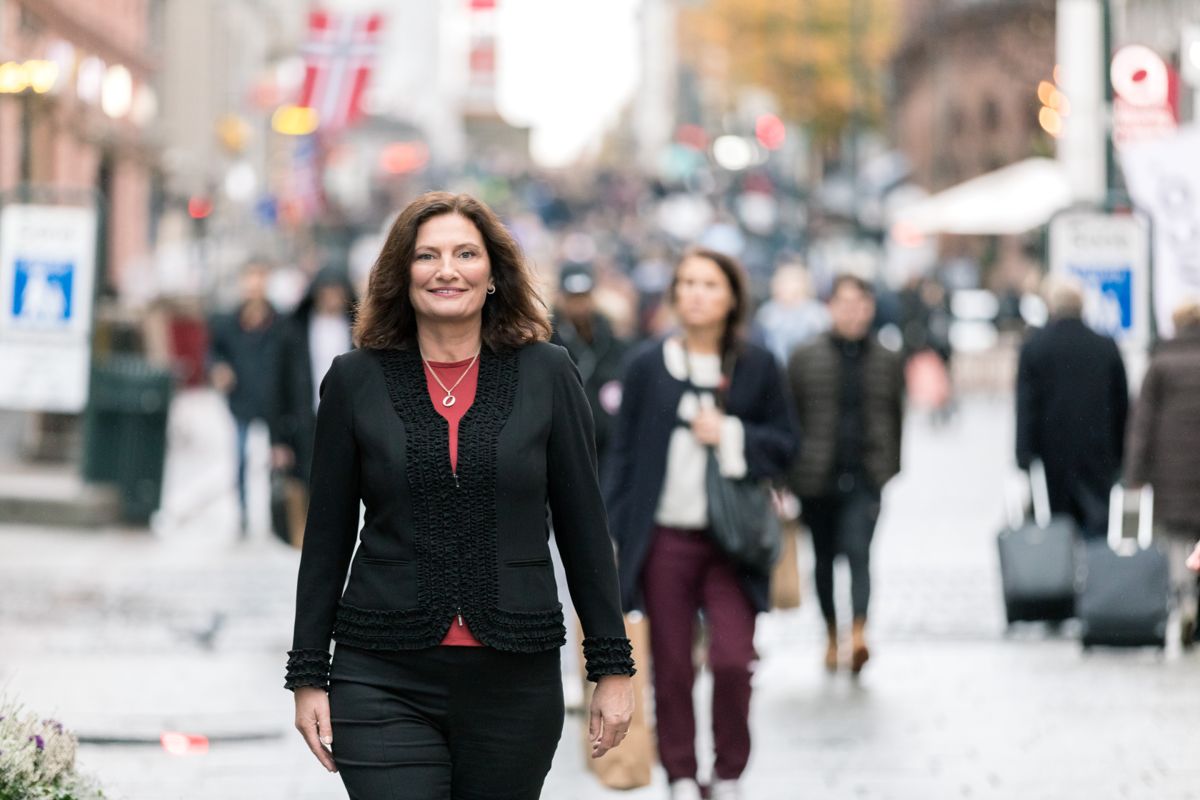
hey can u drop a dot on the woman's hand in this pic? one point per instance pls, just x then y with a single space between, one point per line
312 720
1193 561
612 709
706 426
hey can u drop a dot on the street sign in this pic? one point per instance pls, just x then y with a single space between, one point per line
1109 254
47 275
1146 102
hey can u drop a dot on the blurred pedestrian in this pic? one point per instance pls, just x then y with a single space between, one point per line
703 387
318 331
1164 451
1072 404
243 362
456 423
596 350
848 392
793 315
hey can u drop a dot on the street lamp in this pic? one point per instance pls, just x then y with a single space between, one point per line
24 80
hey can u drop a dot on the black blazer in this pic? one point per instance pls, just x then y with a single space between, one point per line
438 543
637 464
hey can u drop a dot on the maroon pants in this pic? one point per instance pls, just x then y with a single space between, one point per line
685 573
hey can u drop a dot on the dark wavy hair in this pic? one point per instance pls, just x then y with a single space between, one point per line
735 322
514 316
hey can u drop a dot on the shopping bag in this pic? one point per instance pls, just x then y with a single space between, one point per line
927 381
629 766
785 577
289 508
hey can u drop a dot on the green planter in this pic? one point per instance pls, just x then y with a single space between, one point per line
125 431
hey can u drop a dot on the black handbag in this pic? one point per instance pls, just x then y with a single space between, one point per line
741 518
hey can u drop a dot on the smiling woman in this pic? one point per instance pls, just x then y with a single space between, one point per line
443 241
455 423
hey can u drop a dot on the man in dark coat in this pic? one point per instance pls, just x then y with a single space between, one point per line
318 330
848 393
597 351
1072 405
242 361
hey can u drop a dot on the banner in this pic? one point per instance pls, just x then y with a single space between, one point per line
1163 177
47 275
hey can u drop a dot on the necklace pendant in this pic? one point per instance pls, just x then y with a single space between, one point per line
448 400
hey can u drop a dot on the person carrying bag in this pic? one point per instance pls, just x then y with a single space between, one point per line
690 510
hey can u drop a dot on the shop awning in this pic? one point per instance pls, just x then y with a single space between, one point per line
1011 200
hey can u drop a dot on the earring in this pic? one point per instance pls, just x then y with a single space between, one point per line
491 289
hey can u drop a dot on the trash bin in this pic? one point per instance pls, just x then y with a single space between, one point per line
125 431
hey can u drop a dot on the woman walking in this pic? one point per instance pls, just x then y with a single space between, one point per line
1164 451
704 387
455 423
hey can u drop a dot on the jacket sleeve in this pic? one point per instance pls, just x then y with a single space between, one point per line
771 439
330 532
581 526
622 444
1028 409
1141 429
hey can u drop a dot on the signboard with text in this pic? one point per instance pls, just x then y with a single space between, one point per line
1109 254
47 275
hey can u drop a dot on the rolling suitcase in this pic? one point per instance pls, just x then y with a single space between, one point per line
1125 596
1037 560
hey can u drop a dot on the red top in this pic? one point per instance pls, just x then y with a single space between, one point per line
464 395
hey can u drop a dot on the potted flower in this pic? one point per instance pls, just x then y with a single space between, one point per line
37 759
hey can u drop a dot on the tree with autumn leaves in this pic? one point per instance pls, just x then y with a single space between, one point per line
822 60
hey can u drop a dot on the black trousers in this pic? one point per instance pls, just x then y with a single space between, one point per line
445 723
843 523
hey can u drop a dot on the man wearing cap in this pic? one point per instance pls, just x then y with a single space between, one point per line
589 338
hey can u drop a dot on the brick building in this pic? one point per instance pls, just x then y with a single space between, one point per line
91 130
965 86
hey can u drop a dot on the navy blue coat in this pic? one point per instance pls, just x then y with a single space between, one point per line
637 462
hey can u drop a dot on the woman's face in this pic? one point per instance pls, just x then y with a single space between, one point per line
703 296
450 271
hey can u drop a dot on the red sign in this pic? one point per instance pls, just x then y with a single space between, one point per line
1146 101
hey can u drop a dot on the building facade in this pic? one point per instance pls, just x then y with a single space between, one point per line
92 127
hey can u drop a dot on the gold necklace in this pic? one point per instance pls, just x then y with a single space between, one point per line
449 400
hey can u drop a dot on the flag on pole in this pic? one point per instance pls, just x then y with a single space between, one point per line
339 55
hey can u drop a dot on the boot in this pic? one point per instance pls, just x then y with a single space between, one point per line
831 647
859 654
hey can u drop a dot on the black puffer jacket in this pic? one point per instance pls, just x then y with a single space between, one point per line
814 376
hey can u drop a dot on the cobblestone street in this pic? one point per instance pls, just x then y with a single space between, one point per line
123 635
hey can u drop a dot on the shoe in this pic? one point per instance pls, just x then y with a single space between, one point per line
685 789
859 654
1187 632
725 790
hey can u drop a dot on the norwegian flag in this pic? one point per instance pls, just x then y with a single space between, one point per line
340 52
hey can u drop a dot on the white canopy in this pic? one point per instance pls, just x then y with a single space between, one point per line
1011 200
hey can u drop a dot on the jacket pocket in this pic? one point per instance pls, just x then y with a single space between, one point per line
382 584
528 585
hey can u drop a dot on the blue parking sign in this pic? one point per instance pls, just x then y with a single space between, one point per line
42 292
1108 297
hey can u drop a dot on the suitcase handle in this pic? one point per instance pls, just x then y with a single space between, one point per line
1116 517
1040 493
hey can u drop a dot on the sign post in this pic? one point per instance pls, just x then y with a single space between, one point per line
47 281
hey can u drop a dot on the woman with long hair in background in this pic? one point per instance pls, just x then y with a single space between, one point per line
701 387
